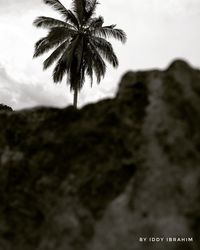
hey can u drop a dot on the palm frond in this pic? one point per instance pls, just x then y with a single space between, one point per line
82 75
48 22
89 69
75 79
61 67
58 6
72 18
55 55
98 63
65 62
96 23
110 31
90 8
79 8
76 76
84 9
79 53
106 50
41 47
67 14
56 36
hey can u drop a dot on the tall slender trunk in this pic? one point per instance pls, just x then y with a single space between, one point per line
79 62
75 97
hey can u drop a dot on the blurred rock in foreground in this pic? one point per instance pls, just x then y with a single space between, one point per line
104 176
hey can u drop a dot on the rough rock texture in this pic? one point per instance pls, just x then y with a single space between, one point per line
101 177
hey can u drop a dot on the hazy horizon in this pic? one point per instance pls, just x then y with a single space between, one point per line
158 32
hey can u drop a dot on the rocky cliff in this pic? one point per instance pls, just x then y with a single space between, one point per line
104 176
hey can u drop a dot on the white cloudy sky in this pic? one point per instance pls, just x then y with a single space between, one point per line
158 31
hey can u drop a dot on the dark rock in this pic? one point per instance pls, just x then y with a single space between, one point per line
101 177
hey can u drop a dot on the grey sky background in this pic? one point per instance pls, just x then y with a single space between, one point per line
158 31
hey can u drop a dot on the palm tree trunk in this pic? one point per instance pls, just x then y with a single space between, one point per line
75 97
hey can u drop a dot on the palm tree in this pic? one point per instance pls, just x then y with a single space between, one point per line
79 43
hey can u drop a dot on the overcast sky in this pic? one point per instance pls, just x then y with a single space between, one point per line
158 31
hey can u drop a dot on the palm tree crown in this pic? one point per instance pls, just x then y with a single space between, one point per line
79 43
